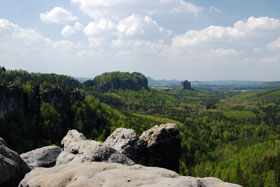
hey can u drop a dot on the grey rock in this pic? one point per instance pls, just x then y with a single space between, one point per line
152 148
2 142
98 174
12 167
77 149
185 85
12 99
163 146
123 140
42 157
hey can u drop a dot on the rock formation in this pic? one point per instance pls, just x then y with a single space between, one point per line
98 174
12 99
54 95
77 149
12 167
159 146
185 85
42 157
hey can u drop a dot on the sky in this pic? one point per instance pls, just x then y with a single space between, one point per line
163 39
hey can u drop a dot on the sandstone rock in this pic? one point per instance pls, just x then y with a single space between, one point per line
12 99
2 142
42 157
98 174
159 146
77 149
163 146
124 141
12 167
185 85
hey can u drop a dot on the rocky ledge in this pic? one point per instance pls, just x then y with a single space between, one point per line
116 162
99 174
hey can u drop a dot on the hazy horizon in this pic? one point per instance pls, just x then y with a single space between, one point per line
171 39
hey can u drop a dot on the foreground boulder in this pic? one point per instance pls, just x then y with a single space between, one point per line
77 149
12 167
42 157
159 146
98 174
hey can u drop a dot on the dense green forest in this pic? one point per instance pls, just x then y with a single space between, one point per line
232 135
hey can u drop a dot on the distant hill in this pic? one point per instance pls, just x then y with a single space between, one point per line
118 80
164 83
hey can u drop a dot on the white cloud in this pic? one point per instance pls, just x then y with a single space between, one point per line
221 52
118 9
66 45
274 44
58 15
138 25
214 9
69 30
241 29
99 27
11 32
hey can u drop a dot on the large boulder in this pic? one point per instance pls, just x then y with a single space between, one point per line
163 146
42 157
77 149
12 167
159 146
98 174
126 142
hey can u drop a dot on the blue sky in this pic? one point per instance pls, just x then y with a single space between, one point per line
171 39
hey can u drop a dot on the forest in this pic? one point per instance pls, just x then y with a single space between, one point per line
230 134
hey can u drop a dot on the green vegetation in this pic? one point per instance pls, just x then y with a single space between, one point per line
227 134
118 80
21 77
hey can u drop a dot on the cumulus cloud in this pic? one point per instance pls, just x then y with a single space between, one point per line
69 30
274 44
138 25
11 32
121 8
241 29
58 15
31 44
99 27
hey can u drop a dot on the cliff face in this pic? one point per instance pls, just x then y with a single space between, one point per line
11 99
118 80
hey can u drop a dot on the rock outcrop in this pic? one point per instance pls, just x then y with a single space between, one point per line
42 157
12 99
55 96
77 149
159 146
185 85
98 174
12 167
